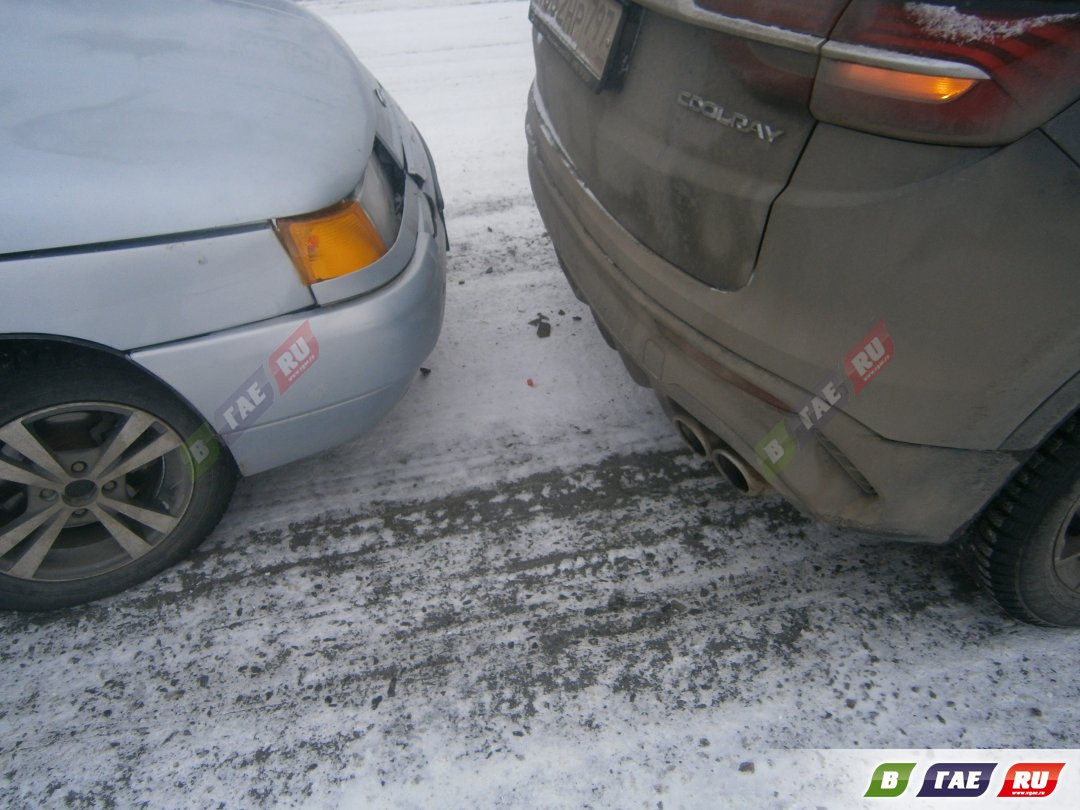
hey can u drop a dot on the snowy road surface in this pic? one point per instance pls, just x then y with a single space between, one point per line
510 595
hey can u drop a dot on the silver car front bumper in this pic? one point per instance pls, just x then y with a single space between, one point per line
295 385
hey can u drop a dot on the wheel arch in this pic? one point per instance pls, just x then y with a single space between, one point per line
29 350
999 540
1038 430
1045 420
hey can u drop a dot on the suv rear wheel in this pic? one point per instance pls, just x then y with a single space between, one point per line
97 487
1027 546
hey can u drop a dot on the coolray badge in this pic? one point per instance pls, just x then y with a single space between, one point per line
732 120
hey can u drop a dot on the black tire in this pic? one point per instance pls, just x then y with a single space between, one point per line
109 522
1026 548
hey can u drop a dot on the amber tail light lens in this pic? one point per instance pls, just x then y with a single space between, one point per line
331 243
898 84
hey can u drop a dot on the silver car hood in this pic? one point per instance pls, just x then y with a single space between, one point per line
123 120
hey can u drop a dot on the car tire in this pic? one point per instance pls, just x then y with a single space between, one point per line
98 487
1026 549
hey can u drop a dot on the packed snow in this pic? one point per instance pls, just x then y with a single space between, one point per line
520 591
952 25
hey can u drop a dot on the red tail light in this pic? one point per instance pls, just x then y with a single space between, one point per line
963 72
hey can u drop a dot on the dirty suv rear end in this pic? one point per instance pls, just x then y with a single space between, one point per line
840 240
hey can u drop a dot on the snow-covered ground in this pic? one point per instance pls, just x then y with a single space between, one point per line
516 595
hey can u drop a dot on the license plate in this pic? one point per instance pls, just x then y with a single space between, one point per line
584 31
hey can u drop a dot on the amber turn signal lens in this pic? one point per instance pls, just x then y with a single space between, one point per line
331 243
897 84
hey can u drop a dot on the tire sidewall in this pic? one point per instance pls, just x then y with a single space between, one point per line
31 390
1045 594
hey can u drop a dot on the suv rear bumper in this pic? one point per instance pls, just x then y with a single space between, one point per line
846 474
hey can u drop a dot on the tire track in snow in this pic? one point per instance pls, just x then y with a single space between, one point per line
285 659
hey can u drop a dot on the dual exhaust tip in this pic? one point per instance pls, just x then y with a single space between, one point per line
706 444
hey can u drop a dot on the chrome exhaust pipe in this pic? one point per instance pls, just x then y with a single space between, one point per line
697 437
706 444
741 475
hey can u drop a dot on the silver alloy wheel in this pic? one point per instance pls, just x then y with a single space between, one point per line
1067 549
87 488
